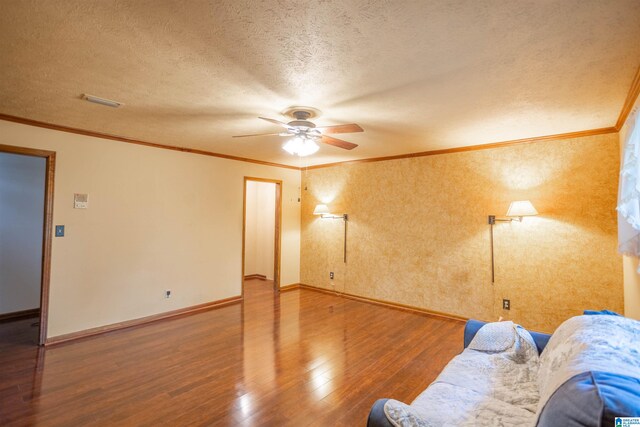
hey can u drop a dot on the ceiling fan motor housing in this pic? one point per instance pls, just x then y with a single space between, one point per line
302 123
301 116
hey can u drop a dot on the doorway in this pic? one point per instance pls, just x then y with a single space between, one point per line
261 231
26 216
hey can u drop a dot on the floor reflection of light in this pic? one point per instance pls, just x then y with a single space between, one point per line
245 403
321 385
324 390
318 361
320 379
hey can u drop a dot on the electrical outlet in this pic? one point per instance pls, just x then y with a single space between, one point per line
506 304
167 293
331 275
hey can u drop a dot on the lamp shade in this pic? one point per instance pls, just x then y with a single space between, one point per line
321 210
521 208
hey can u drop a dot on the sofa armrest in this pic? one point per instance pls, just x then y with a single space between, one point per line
377 418
472 327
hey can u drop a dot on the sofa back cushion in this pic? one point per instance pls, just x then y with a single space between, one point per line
580 368
592 399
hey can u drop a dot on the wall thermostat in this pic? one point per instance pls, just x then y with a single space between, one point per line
80 201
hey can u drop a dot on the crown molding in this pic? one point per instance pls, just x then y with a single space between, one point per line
30 122
632 96
569 135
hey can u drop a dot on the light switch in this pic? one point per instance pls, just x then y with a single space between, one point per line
59 230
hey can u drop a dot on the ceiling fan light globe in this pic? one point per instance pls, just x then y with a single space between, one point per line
291 146
308 148
300 146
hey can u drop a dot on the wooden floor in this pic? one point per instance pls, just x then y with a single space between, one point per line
298 358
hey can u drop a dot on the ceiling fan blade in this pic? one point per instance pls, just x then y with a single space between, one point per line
352 127
256 134
277 122
338 142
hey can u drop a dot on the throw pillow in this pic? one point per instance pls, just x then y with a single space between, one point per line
494 337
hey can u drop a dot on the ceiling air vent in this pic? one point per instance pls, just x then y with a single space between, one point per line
101 101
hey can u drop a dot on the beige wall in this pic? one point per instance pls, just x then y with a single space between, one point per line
260 229
418 232
631 276
21 221
161 219
157 219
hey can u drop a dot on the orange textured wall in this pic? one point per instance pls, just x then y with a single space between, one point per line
418 233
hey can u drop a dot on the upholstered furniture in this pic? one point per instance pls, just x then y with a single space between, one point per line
586 374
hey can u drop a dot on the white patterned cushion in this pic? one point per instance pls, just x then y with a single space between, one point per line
402 415
494 337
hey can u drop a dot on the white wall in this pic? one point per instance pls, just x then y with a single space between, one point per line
21 221
630 264
260 229
157 219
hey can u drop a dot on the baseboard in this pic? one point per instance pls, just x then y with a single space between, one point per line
141 321
255 276
390 304
291 287
22 314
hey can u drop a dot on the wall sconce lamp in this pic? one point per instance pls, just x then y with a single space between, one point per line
517 210
323 211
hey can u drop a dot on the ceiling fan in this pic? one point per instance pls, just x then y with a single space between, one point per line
306 134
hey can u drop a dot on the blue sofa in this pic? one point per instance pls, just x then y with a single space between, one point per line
593 398
377 418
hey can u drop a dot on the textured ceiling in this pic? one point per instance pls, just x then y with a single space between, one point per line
416 75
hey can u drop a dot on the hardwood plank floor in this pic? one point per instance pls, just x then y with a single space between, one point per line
298 358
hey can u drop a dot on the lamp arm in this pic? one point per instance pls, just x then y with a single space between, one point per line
344 217
492 219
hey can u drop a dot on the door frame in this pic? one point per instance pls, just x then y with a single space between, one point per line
278 228
47 228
